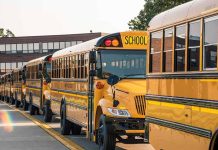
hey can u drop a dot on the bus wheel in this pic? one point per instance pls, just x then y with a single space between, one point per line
25 105
106 136
17 103
47 113
76 129
32 109
65 124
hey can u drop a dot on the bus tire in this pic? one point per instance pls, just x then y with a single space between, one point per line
47 113
106 136
32 108
17 103
76 129
65 124
214 141
25 105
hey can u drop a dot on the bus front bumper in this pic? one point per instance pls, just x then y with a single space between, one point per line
127 126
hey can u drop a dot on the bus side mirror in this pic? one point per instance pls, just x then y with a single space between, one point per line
92 57
113 79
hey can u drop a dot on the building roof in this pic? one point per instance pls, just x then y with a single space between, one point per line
50 38
183 12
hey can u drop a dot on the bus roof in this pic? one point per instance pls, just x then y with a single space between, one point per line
82 47
38 60
184 12
99 43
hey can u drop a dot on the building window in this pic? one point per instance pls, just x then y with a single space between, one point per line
168 47
73 43
56 46
2 48
45 47
78 42
155 56
19 48
30 47
25 48
19 64
2 67
194 46
180 48
68 44
13 65
8 48
50 46
13 48
62 45
210 43
8 67
36 47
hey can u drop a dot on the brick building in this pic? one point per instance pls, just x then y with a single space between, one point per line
16 51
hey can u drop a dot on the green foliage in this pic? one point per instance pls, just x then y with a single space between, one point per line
152 8
6 33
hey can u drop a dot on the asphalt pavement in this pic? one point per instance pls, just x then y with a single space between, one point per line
19 133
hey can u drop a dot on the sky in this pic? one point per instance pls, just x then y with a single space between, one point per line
51 17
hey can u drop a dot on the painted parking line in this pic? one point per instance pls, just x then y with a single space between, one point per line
65 141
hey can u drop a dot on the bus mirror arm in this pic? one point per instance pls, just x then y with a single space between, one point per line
115 102
92 57
92 73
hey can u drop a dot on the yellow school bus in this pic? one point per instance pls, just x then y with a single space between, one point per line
100 85
182 79
1 87
7 90
37 81
17 86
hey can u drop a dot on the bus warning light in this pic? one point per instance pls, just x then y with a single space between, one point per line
108 42
115 42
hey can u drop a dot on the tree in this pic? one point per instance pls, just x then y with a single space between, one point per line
152 8
6 33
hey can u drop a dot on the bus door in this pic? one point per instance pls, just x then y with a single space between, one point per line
41 85
92 72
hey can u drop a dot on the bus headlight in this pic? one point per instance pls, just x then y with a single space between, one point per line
119 112
24 91
47 94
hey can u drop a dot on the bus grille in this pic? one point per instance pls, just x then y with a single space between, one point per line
140 104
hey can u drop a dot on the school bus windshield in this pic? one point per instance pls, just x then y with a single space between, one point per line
123 63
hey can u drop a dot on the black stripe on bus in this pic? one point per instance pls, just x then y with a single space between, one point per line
70 91
181 127
203 75
69 80
34 87
185 101
72 104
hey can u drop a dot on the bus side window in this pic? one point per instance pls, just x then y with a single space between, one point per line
155 51
194 46
180 48
168 49
210 43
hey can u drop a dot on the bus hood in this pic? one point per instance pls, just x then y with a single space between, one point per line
131 86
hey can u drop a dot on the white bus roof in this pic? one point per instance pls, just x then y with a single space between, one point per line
184 12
